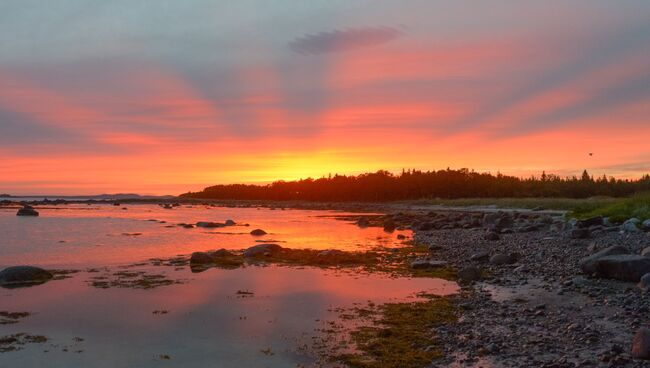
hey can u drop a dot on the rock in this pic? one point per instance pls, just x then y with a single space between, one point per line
480 256
588 264
330 253
262 250
593 221
27 210
631 225
504 222
489 219
644 283
469 274
208 257
492 236
580 233
401 236
645 225
500 259
641 344
18 276
389 226
420 264
363 222
625 267
258 232
230 222
200 258
208 224
646 252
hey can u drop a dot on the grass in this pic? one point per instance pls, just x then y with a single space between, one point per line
399 334
560 204
618 210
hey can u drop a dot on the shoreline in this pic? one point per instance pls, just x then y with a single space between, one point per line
535 307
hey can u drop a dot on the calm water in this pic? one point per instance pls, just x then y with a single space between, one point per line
207 323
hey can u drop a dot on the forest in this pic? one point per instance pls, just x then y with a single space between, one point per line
415 184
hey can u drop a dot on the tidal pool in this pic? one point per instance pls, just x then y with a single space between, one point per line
256 316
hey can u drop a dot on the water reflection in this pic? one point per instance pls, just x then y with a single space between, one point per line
102 234
207 322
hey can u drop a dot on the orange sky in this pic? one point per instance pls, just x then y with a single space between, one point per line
162 100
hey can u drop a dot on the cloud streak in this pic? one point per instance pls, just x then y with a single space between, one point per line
344 40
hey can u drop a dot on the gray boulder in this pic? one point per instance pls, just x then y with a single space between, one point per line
262 250
258 232
480 256
625 267
588 264
18 276
641 344
501 259
631 225
230 222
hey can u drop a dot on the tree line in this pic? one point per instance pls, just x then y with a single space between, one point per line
415 184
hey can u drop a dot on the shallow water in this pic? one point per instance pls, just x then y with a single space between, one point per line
207 323
85 235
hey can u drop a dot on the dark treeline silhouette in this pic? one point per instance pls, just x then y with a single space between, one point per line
414 184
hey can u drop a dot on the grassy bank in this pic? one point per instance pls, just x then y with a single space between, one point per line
620 209
561 204
617 209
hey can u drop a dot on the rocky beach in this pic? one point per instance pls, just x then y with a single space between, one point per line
538 290
536 287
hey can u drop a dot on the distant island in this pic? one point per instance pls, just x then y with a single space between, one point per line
415 184
5 195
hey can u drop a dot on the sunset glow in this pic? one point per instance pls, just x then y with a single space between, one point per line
165 99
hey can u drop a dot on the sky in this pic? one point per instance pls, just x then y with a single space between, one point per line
167 96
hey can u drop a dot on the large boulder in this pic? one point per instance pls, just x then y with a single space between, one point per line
625 267
588 264
631 225
262 250
27 210
208 257
641 344
230 222
18 276
200 258
258 232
